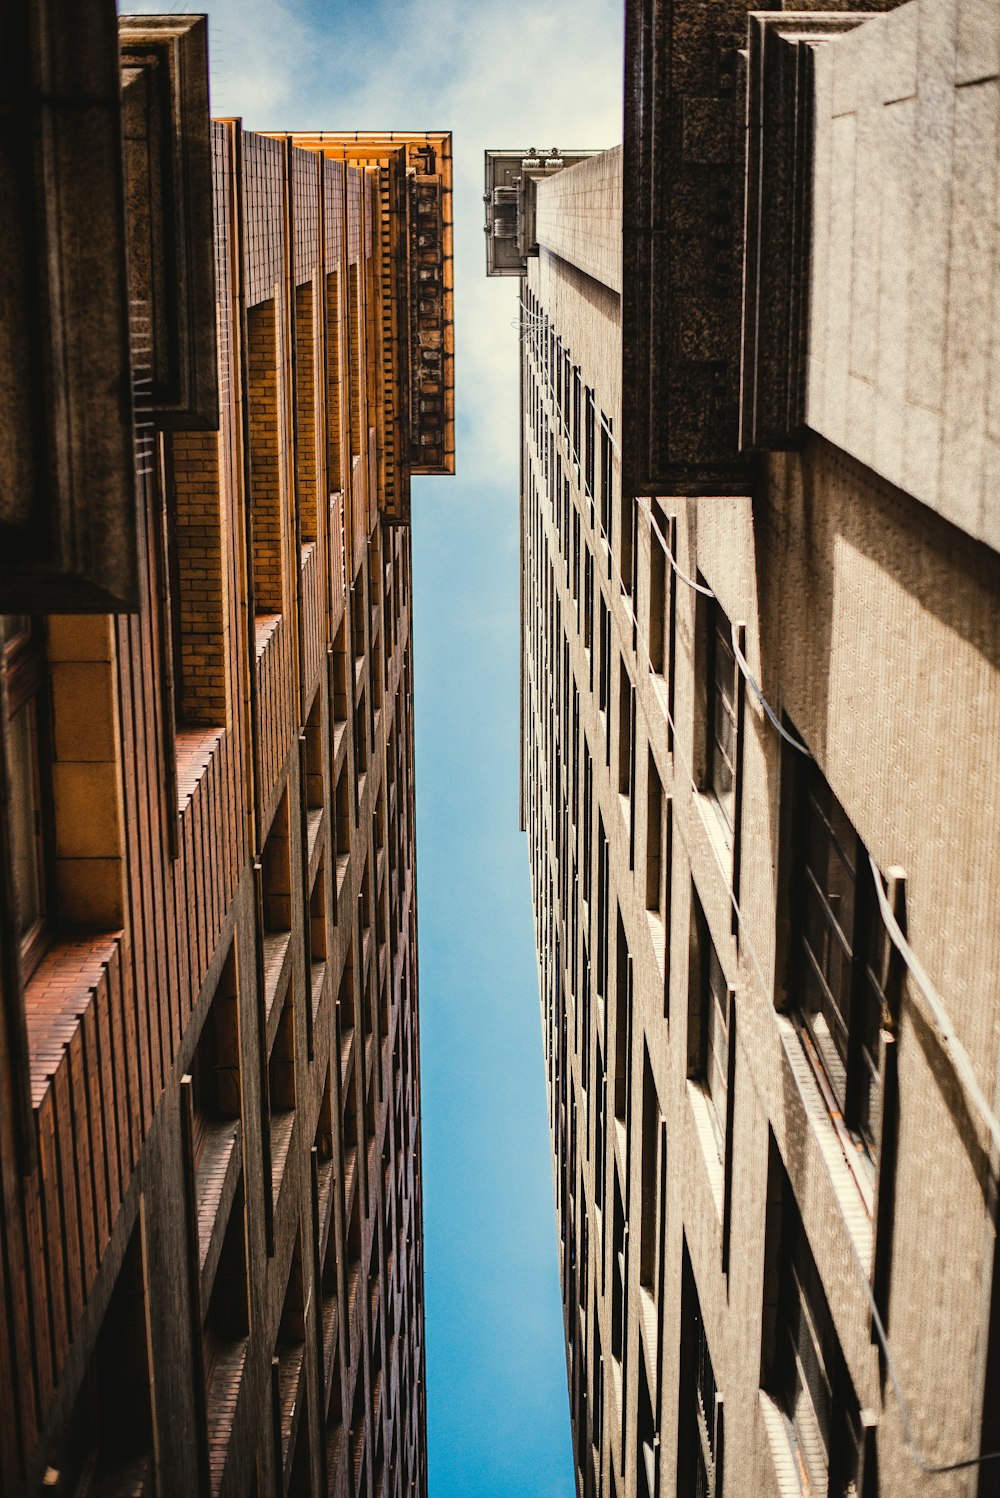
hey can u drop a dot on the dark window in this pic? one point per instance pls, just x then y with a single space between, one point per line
589 436
721 738
708 1024
23 662
619 1303
598 1388
626 712
700 1429
838 997
652 1131
607 483
576 415
804 1367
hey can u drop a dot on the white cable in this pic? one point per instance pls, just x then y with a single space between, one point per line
741 661
645 505
959 1055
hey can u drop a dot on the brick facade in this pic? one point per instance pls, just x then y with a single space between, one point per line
211 1230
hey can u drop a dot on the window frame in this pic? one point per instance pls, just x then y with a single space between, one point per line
801 1308
726 803
854 1104
709 1027
24 669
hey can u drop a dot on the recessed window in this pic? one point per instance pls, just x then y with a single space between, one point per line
623 1022
607 481
708 1024
589 443
699 1454
226 1333
619 1304
720 780
281 1086
267 473
215 1095
837 952
653 1171
22 661
803 1367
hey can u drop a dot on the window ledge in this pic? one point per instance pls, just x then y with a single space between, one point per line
722 844
216 1175
59 991
193 748
783 1457
658 934
277 945
265 628
314 827
847 1189
703 1111
649 1327
282 1125
222 1399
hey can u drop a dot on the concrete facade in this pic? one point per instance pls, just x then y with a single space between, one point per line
723 1199
210 1240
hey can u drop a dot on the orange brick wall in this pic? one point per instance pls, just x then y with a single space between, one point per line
115 1018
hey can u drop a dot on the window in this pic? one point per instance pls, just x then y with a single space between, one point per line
619 1303
22 661
626 718
267 473
653 1169
804 1369
657 859
646 1434
627 545
290 1353
623 1022
588 444
700 1428
215 1094
606 479
108 1447
837 954
708 1024
721 736
226 1332
281 1086
597 1380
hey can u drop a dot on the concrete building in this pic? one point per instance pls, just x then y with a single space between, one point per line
761 718
223 356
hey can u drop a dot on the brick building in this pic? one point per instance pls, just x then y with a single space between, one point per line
224 356
761 715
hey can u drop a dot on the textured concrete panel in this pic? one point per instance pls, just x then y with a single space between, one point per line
904 346
579 216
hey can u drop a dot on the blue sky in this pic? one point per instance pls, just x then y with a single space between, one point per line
515 73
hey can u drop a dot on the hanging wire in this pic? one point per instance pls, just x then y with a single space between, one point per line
955 1048
698 587
741 661
529 324
957 1051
